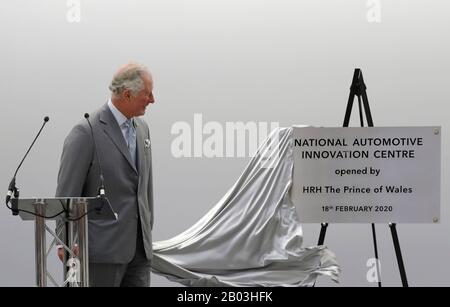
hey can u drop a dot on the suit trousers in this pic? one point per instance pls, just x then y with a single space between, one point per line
133 274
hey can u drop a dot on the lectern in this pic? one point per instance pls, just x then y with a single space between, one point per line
74 212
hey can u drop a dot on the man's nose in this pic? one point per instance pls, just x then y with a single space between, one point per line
151 99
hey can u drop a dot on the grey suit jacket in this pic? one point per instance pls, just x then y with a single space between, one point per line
128 189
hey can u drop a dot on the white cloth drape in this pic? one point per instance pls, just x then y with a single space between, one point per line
252 236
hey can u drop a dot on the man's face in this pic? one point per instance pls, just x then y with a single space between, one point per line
139 103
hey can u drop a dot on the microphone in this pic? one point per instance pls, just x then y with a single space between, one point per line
12 189
101 189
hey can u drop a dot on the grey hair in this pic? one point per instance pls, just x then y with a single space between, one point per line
130 77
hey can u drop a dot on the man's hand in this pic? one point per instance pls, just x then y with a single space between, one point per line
61 251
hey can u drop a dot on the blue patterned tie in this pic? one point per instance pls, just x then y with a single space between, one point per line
131 139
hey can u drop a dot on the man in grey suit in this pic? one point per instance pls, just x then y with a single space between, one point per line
120 252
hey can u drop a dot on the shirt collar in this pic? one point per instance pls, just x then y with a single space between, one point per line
120 118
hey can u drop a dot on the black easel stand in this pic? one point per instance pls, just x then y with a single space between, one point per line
358 88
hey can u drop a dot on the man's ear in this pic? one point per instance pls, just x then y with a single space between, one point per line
126 94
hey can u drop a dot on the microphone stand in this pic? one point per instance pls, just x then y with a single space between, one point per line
12 189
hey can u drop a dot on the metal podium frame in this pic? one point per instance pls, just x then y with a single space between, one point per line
74 214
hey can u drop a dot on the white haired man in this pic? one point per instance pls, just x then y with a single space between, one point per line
120 252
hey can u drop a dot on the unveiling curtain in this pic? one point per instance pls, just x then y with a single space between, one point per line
252 236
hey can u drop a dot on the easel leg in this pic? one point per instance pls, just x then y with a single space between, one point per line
361 119
398 253
323 231
375 247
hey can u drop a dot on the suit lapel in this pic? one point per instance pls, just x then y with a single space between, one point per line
112 129
140 147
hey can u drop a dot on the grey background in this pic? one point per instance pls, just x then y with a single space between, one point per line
233 60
